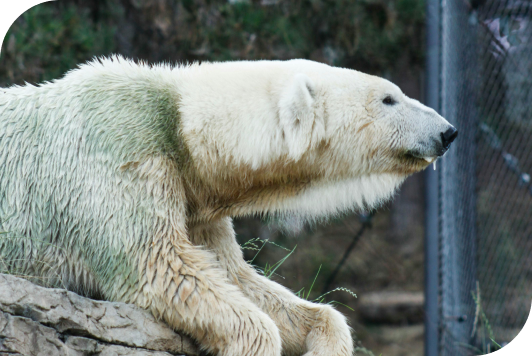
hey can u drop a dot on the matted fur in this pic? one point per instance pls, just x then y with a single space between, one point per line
120 180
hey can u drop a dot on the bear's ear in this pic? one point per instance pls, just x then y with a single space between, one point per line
297 114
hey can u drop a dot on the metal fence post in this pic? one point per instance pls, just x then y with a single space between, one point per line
457 187
431 186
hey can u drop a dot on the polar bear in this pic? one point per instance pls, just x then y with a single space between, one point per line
120 180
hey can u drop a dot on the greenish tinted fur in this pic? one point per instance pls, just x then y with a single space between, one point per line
60 168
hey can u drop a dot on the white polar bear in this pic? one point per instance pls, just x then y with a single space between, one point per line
120 180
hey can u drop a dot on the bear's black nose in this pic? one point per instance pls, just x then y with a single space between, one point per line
448 136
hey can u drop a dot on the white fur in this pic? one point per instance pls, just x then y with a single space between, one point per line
251 115
303 129
120 179
336 197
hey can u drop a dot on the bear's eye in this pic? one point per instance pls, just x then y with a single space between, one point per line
388 100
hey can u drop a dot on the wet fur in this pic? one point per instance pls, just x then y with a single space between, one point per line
120 181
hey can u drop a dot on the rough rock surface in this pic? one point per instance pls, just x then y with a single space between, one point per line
51 322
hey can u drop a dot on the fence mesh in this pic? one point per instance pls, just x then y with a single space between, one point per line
484 187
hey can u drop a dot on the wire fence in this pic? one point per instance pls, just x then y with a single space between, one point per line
483 200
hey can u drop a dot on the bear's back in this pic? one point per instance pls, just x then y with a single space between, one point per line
65 152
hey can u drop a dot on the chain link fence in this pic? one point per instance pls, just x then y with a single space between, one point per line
479 223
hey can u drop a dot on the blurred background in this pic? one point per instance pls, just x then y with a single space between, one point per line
470 220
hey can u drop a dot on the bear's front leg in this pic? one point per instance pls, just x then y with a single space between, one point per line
185 286
306 328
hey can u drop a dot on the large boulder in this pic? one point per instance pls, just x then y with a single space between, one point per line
53 322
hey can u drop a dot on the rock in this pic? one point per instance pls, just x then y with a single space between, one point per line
45 321
392 307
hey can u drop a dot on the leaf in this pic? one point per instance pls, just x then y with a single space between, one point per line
271 270
310 289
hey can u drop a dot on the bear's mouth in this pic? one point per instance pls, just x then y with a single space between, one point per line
408 163
418 158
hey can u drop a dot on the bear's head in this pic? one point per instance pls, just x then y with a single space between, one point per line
304 137
363 133
362 124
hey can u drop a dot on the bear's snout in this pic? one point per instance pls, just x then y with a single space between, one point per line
436 145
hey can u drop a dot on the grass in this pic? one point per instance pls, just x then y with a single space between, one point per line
268 270
484 331
258 244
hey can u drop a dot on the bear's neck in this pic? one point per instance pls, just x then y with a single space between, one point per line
308 197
